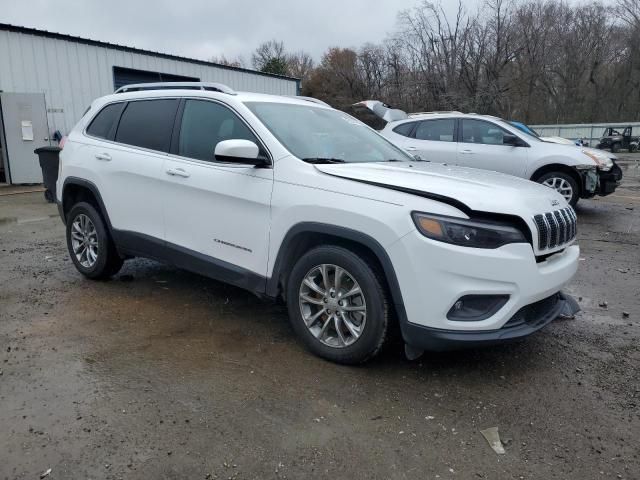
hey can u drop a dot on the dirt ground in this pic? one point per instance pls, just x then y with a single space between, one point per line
159 373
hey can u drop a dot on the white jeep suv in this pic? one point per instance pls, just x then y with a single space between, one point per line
490 143
287 197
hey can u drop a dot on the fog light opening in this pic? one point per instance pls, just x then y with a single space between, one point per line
474 308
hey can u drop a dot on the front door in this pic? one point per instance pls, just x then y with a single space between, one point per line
24 117
480 145
219 210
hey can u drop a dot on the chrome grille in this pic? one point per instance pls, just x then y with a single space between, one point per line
556 228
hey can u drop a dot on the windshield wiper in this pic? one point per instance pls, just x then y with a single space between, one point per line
320 160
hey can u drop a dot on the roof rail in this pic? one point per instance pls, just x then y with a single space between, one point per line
412 114
212 87
309 99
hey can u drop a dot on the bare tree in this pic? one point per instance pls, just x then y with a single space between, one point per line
229 62
266 53
299 65
533 60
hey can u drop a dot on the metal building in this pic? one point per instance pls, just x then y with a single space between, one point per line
65 74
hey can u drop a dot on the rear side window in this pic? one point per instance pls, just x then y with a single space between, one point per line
105 120
404 129
148 124
436 130
204 125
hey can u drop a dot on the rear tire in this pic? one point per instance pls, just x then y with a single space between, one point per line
332 321
564 184
90 247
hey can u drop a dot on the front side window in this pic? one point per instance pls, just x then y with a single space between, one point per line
205 124
148 124
104 121
315 133
479 131
436 130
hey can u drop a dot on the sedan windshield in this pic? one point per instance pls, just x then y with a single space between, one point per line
320 135
524 129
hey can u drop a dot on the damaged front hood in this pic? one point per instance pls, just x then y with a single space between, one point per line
479 190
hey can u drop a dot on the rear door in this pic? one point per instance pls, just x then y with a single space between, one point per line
220 210
434 140
128 144
480 145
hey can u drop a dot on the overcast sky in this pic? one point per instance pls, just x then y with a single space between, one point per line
204 28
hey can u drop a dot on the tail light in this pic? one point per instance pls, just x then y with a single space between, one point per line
63 140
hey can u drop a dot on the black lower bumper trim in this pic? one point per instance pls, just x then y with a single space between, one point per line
610 180
537 316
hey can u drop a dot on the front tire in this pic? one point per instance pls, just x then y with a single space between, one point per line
564 184
90 247
337 305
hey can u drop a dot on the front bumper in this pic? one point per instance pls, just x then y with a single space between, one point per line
433 276
609 181
529 319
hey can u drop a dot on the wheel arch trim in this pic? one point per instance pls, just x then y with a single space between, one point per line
288 246
559 167
81 182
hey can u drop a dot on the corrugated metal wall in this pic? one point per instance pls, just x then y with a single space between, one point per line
72 74
592 132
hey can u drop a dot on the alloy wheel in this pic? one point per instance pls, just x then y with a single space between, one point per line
561 185
84 240
332 305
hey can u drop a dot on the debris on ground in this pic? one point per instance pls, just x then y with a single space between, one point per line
493 438
603 304
624 315
45 473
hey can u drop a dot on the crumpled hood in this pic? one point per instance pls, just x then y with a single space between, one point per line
479 190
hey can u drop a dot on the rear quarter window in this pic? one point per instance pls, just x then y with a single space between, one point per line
105 120
148 124
404 129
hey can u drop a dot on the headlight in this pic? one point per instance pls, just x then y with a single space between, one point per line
466 233
602 161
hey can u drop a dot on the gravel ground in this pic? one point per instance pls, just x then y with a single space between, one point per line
159 373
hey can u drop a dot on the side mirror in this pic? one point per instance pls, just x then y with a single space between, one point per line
513 140
239 151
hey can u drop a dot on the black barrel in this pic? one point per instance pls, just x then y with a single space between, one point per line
49 160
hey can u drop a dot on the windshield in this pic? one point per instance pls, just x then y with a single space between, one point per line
322 135
525 128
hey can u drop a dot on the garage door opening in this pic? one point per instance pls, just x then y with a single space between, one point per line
127 76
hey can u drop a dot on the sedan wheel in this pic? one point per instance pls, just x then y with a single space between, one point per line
561 185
